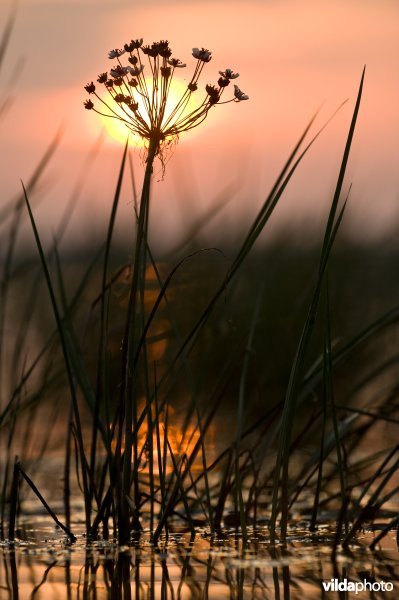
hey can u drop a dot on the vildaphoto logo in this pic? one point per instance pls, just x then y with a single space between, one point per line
344 585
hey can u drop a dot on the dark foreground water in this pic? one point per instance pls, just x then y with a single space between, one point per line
44 566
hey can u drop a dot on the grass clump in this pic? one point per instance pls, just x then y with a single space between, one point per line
141 458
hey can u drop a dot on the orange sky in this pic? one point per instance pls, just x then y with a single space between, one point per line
292 55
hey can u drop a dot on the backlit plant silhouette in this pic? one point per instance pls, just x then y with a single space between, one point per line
138 93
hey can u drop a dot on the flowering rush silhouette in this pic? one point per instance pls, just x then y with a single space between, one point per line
138 89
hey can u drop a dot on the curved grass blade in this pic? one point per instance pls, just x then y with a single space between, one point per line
66 358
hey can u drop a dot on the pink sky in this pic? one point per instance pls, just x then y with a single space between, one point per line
292 57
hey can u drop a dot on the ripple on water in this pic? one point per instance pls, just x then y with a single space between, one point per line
44 565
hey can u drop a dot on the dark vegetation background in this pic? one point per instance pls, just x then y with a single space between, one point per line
363 285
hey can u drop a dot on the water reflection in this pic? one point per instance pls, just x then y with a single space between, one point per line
183 568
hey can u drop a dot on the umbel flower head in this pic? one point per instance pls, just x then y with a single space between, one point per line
137 92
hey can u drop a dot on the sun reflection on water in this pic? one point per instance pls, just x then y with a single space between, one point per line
182 567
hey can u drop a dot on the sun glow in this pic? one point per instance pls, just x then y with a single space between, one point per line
118 131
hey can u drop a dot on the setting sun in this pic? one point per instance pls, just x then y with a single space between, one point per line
118 131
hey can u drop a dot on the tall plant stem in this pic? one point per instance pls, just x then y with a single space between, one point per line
101 388
128 350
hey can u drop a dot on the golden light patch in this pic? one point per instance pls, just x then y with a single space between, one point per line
118 132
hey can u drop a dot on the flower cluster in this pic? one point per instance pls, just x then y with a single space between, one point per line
140 101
